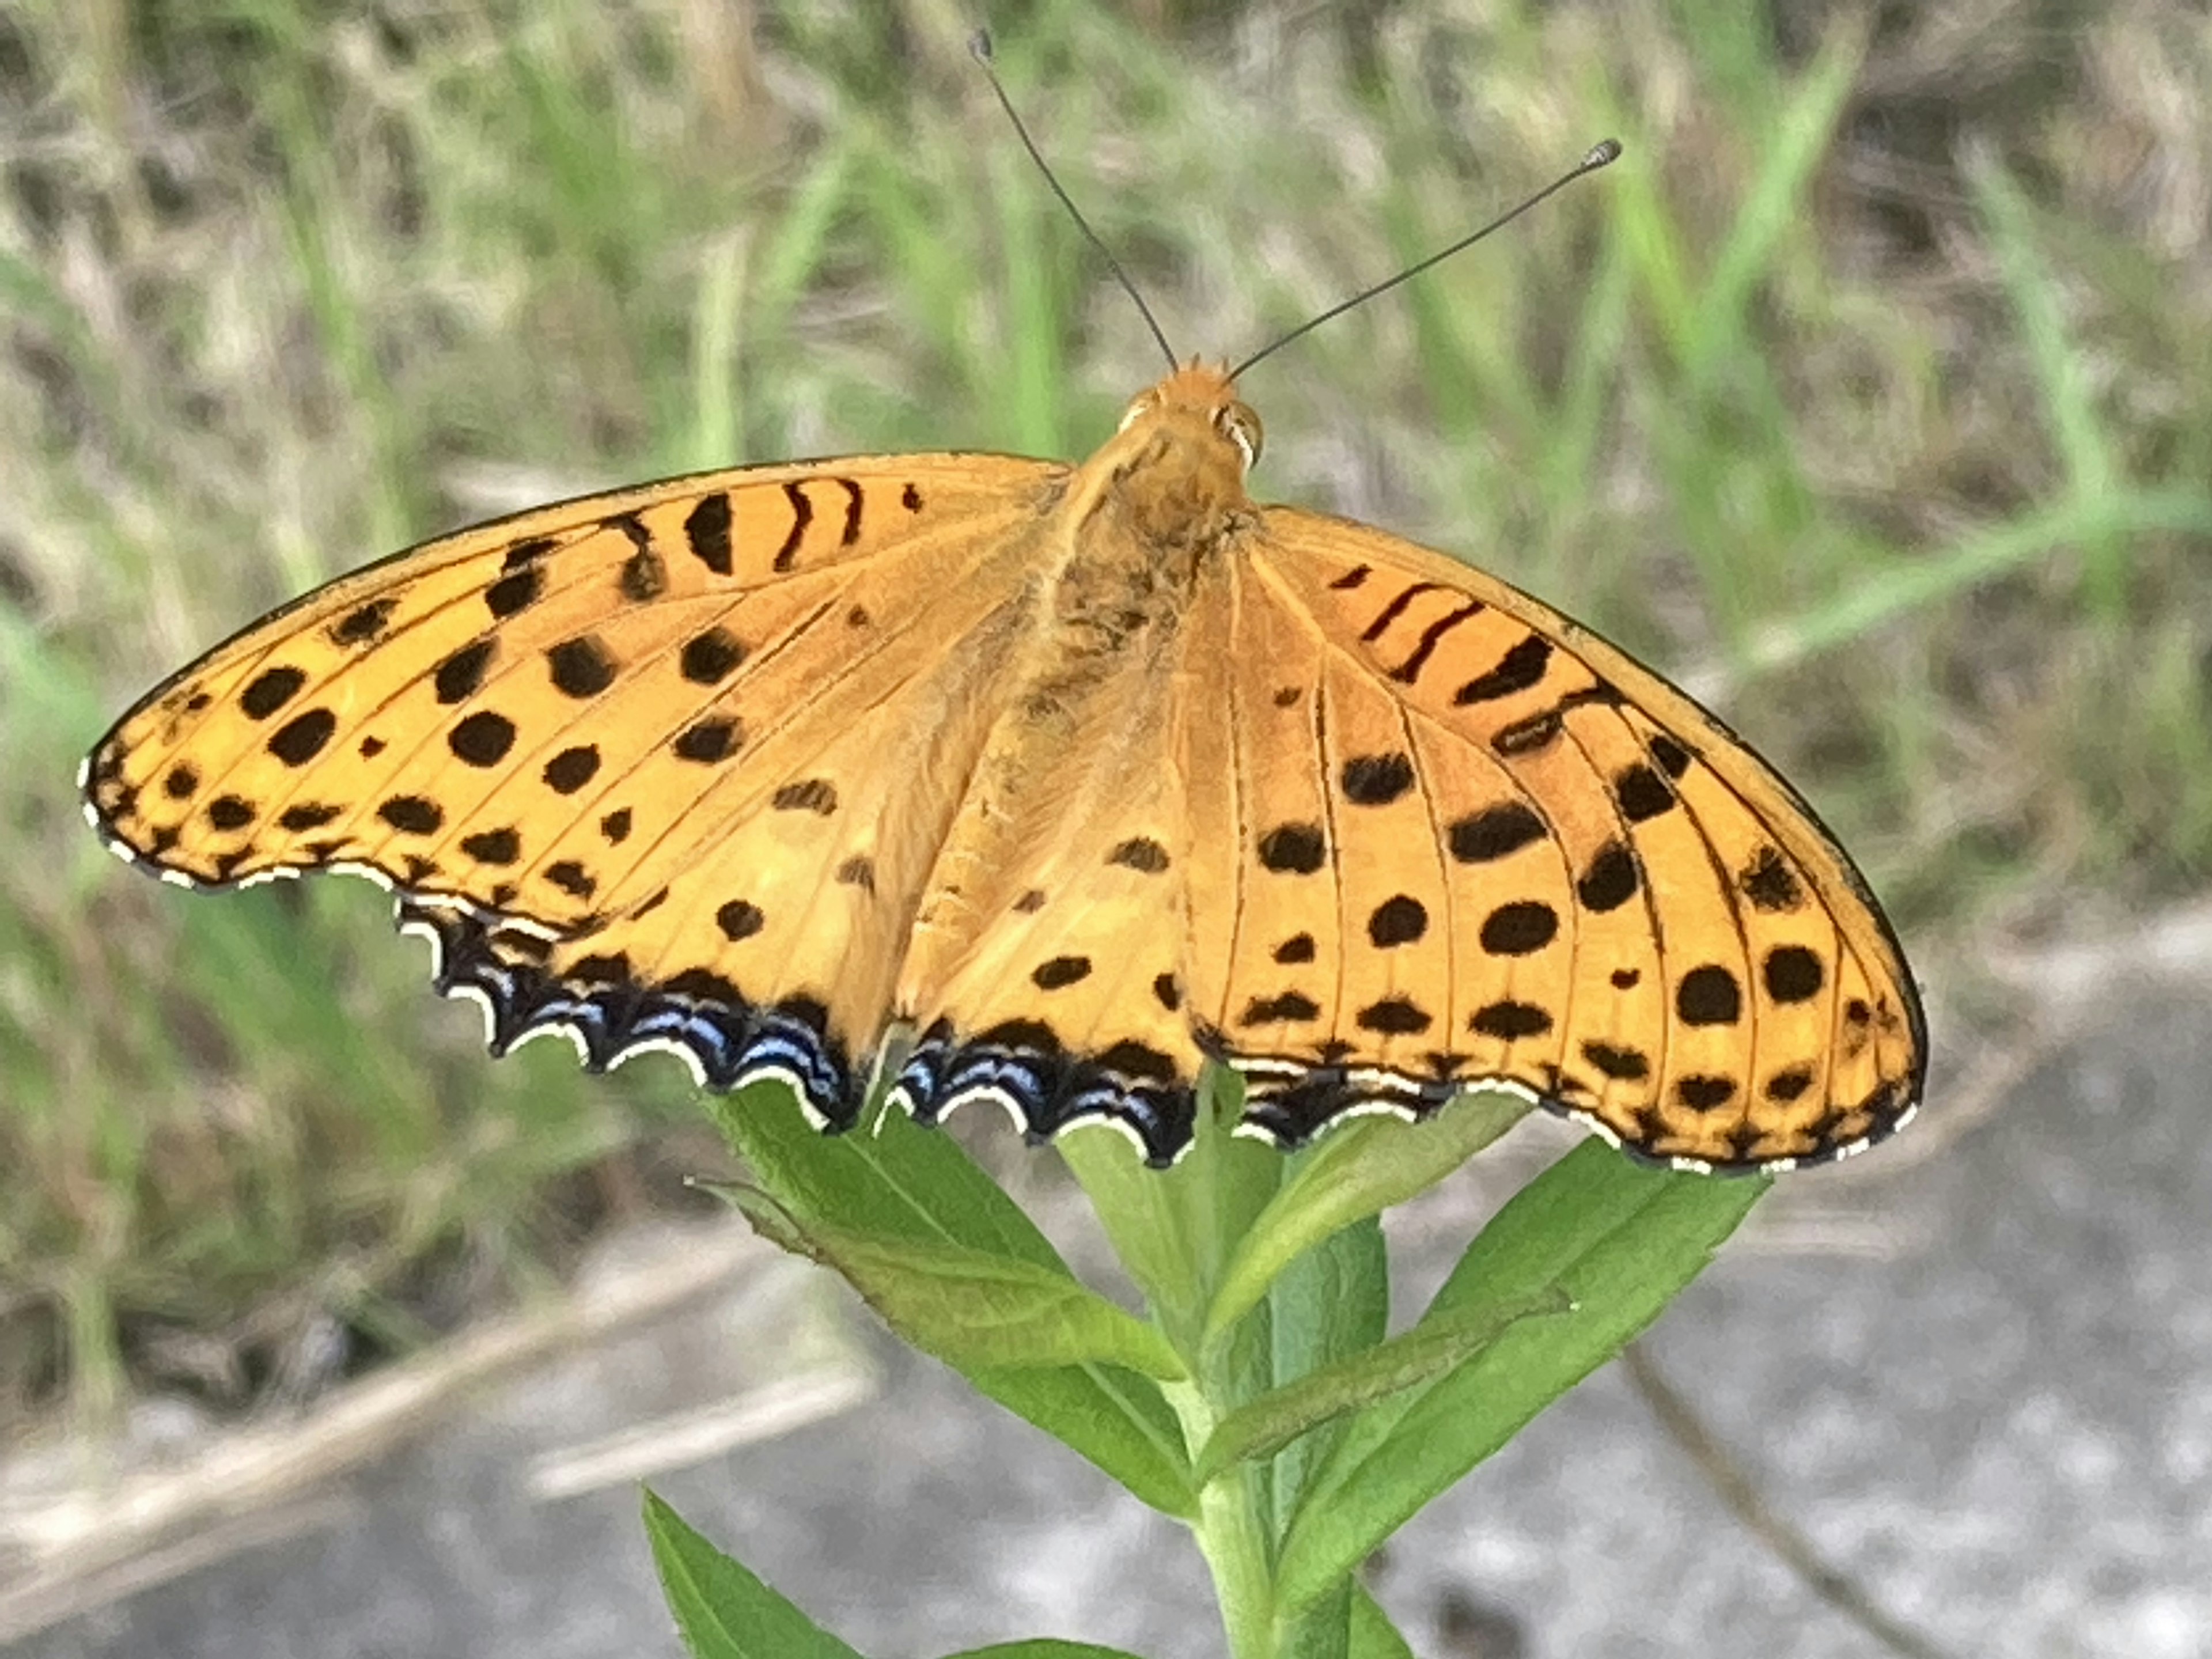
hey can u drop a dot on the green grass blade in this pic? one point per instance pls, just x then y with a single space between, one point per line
2062 374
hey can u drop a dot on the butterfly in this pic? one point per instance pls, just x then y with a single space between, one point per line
1046 784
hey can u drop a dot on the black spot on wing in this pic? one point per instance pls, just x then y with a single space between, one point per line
1376 780
364 624
708 740
302 738
1792 974
740 918
1396 1016
1509 1021
516 592
1519 928
1622 1064
1288 1007
581 667
269 691
1401 919
816 795
459 677
1141 853
1705 1093
1294 849
412 815
304 815
482 738
1520 668
709 658
497 847
572 769
1770 884
1493 833
1709 995
1611 879
1642 793
706 532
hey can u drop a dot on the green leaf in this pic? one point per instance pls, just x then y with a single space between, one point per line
1174 1228
1333 1302
889 1177
1321 1631
892 1176
1117 1420
1373 1635
1356 1171
721 1610
972 1308
1430 1350
1043 1647
1619 1239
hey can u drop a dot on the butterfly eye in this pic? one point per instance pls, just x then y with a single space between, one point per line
1237 423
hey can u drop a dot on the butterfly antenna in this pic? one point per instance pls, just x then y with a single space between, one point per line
979 46
1602 155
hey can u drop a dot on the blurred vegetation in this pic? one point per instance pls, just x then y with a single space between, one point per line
1872 391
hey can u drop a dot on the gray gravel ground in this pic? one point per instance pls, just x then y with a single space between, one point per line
1994 1414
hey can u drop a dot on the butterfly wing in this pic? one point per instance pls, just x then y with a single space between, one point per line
664 768
1473 841
1047 979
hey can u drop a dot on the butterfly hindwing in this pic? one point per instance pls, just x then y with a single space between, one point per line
1046 969
1521 856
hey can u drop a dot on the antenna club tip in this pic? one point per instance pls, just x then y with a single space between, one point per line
979 46
1604 153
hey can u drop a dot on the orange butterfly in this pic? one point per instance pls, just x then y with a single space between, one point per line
1082 775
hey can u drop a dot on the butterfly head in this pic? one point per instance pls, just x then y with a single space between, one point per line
1199 402
1175 472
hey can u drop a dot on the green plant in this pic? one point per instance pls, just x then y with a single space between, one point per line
1258 1398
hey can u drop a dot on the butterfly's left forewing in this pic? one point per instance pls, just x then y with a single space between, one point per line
1472 842
649 767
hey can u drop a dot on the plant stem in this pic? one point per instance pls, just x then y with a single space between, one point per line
1230 1532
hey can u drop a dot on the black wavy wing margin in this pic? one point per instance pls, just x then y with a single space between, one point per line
728 1042
1293 1104
700 1017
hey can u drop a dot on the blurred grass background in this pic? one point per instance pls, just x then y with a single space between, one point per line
1872 392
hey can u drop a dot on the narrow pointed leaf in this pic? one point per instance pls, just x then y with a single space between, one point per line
1358 1170
1431 1350
1331 1304
887 1176
1619 1239
1117 1420
972 1308
1173 1228
1373 1635
722 1611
